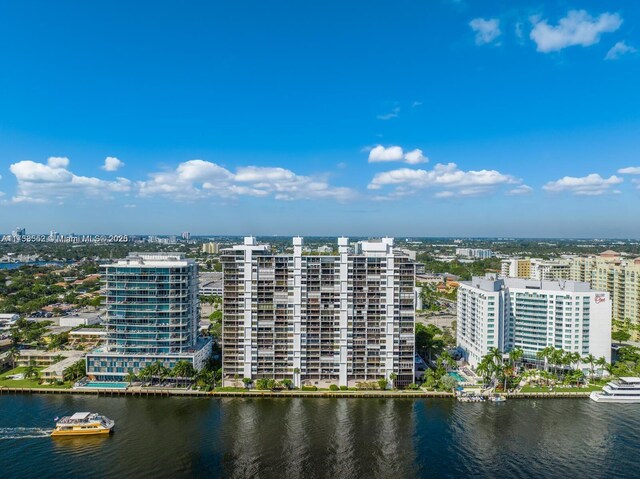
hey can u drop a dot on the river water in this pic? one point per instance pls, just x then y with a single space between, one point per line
318 438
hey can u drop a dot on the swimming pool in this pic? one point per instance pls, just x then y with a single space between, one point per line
458 377
104 385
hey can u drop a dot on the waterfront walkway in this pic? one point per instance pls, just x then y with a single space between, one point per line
149 392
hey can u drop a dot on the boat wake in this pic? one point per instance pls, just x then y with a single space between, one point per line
23 432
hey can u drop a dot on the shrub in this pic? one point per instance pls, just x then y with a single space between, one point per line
383 383
344 388
334 387
309 388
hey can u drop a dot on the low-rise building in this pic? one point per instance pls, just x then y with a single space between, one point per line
210 284
40 358
87 337
80 320
8 320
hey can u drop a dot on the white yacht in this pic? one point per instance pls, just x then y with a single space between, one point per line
626 390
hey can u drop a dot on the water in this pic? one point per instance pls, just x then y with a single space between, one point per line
458 377
32 263
318 438
104 385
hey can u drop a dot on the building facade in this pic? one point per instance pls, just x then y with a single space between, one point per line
532 315
318 320
152 314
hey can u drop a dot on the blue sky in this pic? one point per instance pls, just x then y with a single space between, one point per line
406 118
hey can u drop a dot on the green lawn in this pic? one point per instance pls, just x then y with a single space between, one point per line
27 383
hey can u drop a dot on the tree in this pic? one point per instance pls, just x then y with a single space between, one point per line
287 383
620 336
430 380
130 377
12 356
383 383
427 344
393 377
247 382
516 355
590 360
183 371
31 371
448 383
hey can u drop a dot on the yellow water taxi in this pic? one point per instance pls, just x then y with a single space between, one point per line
83 424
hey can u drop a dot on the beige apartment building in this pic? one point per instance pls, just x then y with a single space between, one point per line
619 276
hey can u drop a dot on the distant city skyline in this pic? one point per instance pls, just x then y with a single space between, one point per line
426 119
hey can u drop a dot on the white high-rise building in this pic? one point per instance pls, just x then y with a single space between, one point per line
477 253
318 319
532 315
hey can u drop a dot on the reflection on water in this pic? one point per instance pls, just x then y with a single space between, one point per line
317 438
78 446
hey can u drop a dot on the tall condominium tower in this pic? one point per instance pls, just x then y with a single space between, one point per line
532 315
318 319
152 315
620 277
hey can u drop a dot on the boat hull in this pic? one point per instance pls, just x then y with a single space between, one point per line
599 397
94 432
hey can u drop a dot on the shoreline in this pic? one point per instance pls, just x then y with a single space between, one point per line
281 394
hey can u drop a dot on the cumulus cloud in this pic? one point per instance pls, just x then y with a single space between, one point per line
577 28
590 185
198 179
414 157
630 170
486 31
520 190
111 163
44 182
394 113
379 154
618 50
448 179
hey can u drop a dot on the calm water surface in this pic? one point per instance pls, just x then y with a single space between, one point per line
318 438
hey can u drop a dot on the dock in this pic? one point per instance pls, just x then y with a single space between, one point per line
157 392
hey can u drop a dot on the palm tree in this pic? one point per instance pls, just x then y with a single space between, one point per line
183 370
515 355
296 376
482 369
12 356
130 377
590 359
602 362
31 371
393 377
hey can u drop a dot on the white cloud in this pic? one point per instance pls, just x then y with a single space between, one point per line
416 104
112 163
42 183
448 178
486 31
577 28
619 49
630 170
590 185
520 190
414 157
394 113
379 154
198 179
